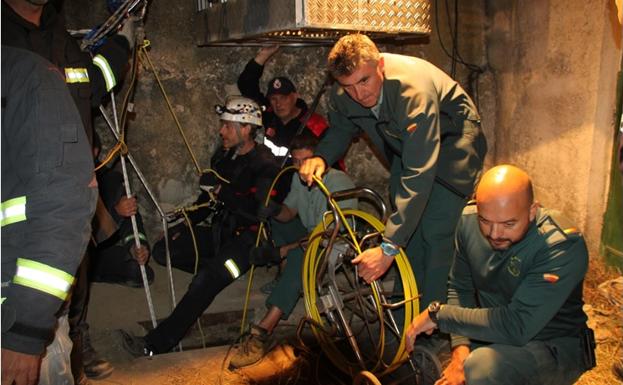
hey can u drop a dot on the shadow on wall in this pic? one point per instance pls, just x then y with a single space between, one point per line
615 16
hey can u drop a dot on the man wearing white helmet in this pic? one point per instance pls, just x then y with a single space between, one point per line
242 174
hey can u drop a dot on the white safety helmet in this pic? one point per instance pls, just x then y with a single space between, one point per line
240 109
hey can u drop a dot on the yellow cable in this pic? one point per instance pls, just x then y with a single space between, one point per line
216 174
261 231
366 376
192 235
310 267
355 243
166 98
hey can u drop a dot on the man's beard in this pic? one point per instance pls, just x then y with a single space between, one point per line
500 243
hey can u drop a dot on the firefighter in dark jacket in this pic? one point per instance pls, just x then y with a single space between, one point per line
285 110
242 174
39 26
48 199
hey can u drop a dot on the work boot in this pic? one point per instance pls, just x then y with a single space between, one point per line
135 345
253 347
95 367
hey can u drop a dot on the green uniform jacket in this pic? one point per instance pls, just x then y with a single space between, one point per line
421 129
532 291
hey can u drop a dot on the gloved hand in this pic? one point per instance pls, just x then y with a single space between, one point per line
266 254
209 182
129 30
265 212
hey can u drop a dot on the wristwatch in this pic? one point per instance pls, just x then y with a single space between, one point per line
389 249
433 309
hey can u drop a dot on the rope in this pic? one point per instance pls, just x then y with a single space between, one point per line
143 51
128 192
120 147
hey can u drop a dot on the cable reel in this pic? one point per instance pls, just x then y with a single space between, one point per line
355 322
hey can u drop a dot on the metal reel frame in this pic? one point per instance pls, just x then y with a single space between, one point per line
327 278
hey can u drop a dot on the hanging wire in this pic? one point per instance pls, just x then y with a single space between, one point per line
143 51
474 70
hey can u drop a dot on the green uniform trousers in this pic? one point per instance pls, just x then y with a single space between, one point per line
431 248
287 291
552 362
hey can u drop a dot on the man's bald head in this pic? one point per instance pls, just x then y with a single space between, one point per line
503 183
506 206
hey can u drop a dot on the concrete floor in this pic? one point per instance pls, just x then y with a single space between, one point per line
114 307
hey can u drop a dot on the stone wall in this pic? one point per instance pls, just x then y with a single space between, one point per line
546 95
196 78
555 64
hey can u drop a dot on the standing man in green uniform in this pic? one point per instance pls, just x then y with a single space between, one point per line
429 131
515 291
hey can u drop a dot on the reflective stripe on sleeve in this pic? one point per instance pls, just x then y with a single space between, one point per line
109 75
12 211
42 277
76 75
233 269
275 149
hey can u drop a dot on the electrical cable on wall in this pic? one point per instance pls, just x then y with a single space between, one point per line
455 56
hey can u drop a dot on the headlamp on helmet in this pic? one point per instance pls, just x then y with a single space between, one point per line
240 109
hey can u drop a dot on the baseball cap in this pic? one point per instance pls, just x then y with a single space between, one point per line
280 85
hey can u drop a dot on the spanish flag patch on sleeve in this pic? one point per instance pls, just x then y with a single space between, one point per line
551 278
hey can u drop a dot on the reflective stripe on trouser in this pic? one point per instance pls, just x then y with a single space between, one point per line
109 75
76 75
232 267
12 211
4 284
130 237
42 277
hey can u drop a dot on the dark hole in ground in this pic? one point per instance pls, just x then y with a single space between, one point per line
312 365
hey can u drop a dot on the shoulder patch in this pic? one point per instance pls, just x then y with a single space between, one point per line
556 228
470 209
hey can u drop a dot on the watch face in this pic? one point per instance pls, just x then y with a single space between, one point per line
434 307
389 250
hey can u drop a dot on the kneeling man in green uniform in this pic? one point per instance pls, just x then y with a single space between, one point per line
515 291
